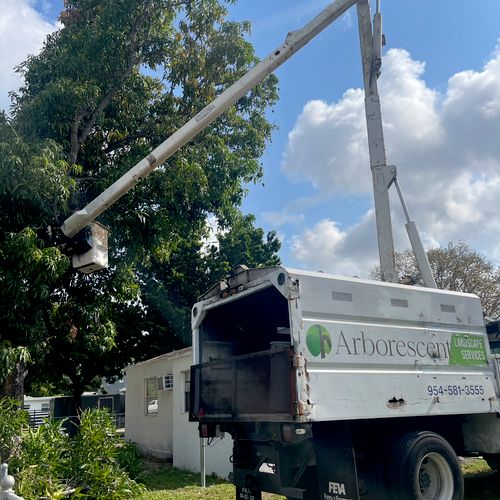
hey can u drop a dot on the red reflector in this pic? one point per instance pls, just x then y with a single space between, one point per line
204 430
201 413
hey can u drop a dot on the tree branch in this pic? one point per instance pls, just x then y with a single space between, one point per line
75 144
78 138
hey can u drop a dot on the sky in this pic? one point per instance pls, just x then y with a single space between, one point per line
440 94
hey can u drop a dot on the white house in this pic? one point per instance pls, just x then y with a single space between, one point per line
157 419
41 404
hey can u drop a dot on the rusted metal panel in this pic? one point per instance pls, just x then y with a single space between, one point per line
247 387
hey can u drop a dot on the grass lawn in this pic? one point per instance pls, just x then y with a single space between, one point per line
163 482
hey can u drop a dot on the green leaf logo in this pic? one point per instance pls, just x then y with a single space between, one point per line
318 341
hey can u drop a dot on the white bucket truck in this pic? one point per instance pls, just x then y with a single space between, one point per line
341 388
332 388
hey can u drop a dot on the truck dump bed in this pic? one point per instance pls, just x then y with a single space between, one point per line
276 344
247 367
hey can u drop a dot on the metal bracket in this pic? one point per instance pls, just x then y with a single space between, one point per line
384 176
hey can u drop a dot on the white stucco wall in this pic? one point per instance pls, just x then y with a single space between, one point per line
36 403
169 434
153 433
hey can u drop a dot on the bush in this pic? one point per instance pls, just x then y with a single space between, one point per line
130 459
43 467
12 421
96 449
94 465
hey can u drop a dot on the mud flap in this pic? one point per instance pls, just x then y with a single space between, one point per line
335 462
247 494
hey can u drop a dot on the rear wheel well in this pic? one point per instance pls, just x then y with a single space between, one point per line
377 433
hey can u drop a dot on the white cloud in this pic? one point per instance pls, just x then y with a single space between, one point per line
22 32
330 248
323 141
319 244
277 219
446 147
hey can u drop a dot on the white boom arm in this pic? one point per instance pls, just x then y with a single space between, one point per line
383 175
294 41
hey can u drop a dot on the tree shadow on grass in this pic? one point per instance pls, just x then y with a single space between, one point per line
482 486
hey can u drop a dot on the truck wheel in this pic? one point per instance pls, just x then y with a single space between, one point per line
424 466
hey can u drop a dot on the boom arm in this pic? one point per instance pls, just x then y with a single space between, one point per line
383 175
294 41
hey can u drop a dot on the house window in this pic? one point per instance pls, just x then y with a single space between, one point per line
45 406
186 376
168 381
151 395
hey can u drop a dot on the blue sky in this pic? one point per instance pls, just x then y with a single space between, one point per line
440 94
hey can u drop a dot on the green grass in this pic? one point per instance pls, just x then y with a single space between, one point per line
214 492
164 482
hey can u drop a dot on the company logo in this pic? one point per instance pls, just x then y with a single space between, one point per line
336 488
454 349
318 341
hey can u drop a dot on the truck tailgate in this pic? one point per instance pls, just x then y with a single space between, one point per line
254 386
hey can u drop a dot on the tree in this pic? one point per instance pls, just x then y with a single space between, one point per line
456 267
86 113
33 184
243 244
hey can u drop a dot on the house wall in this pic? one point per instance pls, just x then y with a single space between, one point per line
36 403
153 433
169 434
187 441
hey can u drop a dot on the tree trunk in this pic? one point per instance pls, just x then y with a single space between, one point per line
13 387
74 418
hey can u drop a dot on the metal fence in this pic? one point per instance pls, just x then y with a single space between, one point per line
37 418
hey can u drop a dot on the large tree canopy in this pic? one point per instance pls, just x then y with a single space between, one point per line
109 86
456 267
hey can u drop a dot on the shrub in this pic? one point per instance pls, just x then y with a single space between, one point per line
130 460
95 452
12 421
48 464
43 467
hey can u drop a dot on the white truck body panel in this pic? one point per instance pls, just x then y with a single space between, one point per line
368 349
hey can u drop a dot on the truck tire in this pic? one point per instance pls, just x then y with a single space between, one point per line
422 465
